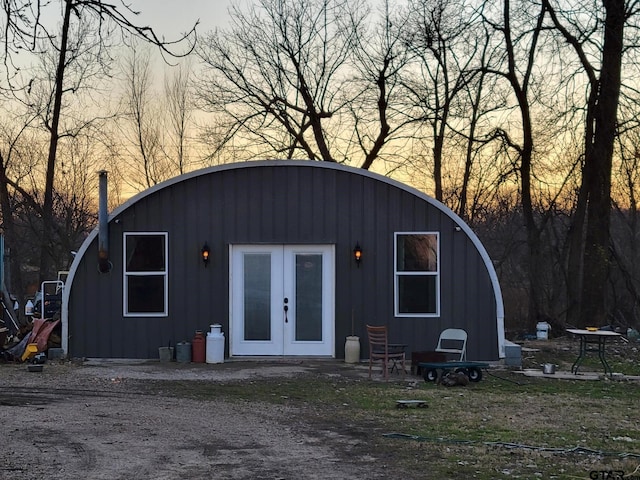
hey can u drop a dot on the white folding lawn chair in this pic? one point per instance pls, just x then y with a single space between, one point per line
453 341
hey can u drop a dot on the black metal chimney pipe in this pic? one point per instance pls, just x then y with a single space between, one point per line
104 265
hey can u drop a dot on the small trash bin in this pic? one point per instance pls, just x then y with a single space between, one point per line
165 354
215 345
183 352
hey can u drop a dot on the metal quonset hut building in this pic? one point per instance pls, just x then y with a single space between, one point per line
281 277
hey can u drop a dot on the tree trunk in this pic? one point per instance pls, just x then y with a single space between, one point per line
438 146
521 89
598 162
47 207
468 163
575 240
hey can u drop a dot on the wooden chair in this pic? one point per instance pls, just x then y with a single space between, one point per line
453 341
381 350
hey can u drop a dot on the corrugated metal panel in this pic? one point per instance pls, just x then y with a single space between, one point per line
279 203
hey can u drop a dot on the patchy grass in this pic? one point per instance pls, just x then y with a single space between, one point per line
506 426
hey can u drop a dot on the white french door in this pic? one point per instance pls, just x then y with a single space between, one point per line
282 300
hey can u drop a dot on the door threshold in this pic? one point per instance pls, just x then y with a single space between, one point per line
275 358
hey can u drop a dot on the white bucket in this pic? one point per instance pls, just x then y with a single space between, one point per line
542 330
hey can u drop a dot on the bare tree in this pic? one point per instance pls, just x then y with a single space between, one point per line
599 47
177 90
375 94
87 27
519 72
15 165
316 79
472 101
625 235
142 131
156 122
446 49
272 78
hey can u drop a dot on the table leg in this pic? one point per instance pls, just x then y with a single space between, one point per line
603 360
581 354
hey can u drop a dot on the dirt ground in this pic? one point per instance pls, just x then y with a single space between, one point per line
115 420
95 420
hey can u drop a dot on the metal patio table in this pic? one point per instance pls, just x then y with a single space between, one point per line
592 337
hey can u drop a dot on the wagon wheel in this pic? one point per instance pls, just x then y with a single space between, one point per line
475 374
431 375
464 371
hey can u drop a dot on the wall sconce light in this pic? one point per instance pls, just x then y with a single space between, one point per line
205 253
357 254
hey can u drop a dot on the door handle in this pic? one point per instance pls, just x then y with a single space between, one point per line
286 309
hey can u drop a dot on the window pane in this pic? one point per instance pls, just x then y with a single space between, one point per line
308 297
417 253
257 296
145 294
417 293
145 253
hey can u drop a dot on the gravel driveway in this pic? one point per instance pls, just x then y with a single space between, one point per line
94 420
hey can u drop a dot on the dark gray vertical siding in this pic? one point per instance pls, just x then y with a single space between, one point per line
258 204
299 222
322 188
358 228
222 191
385 214
454 277
269 215
190 271
335 211
242 207
107 331
278 195
340 220
280 204
451 289
186 270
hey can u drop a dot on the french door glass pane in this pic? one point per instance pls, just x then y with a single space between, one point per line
308 297
257 296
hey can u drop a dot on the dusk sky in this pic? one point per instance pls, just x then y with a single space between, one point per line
170 18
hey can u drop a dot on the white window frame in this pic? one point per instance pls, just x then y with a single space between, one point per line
126 275
397 274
